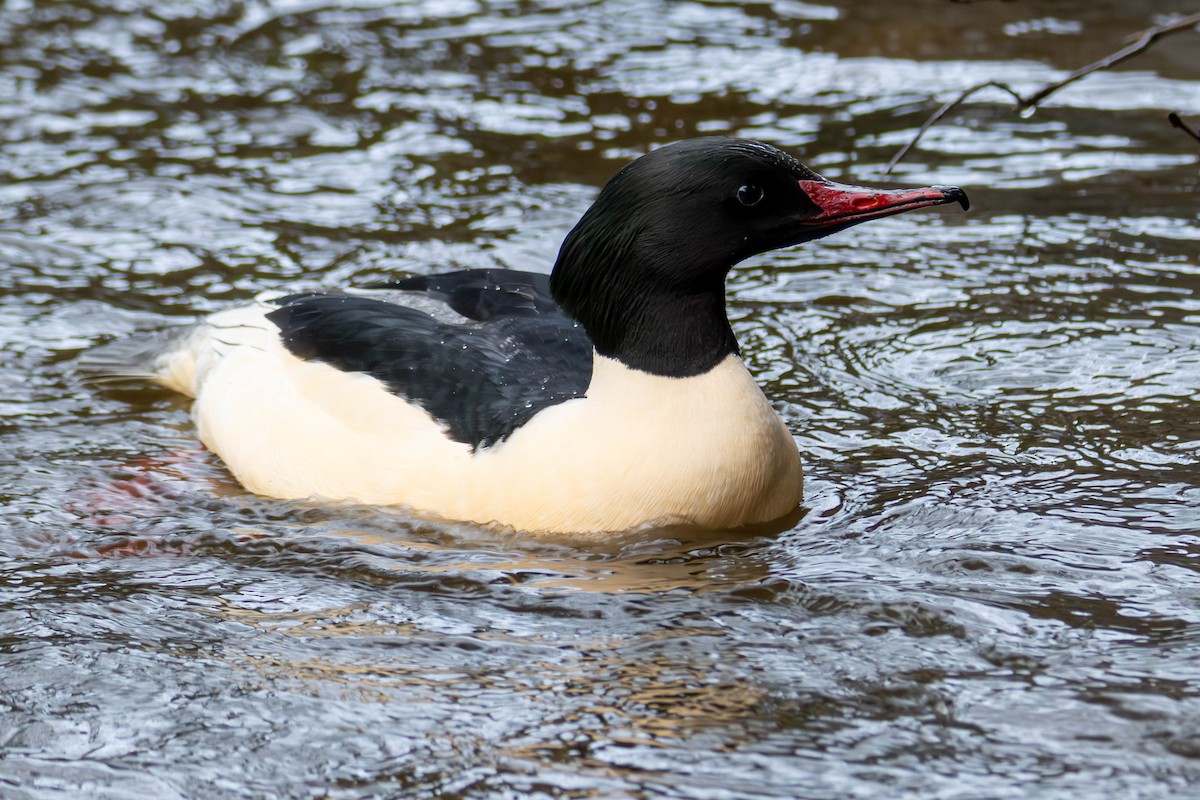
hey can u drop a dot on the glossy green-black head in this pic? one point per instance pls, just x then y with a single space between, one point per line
644 269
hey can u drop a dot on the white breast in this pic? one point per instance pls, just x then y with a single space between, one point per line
639 449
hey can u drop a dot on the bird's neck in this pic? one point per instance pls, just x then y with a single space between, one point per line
641 301
657 330
677 335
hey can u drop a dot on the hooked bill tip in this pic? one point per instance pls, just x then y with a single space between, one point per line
957 195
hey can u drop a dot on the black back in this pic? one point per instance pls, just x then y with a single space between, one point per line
514 353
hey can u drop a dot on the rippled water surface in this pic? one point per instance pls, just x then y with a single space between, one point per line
993 593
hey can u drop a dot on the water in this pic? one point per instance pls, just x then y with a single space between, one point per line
993 592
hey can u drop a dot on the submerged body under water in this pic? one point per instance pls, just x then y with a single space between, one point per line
992 591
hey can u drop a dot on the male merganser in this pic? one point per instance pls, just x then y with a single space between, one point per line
604 397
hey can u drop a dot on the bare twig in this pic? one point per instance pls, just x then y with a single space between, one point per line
943 111
1144 40
1178 122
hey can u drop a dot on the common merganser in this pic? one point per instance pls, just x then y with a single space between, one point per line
606 396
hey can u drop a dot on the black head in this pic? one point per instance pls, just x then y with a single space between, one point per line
644 269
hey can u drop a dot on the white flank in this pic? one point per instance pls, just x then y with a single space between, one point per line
639 449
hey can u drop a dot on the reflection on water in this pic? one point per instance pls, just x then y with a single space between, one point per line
992 592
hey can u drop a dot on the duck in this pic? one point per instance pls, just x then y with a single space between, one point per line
607 396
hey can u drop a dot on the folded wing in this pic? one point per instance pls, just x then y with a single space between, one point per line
501 353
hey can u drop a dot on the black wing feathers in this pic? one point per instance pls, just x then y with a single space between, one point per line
481 381
484 294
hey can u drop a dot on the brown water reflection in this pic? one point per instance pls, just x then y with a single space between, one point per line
993 592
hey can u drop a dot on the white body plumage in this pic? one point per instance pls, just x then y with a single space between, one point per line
638 449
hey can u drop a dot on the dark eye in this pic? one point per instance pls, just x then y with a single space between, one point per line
750 195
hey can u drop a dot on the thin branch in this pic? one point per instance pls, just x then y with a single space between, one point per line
1145 39
943 111
1177 121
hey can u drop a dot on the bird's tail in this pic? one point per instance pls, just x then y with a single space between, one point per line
161 357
